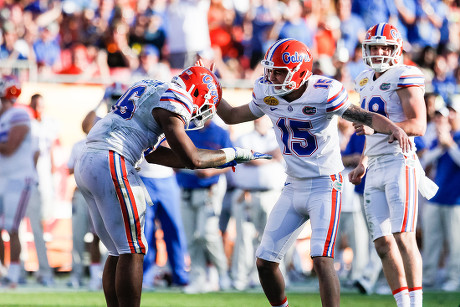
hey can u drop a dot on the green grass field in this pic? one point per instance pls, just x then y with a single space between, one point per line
223 299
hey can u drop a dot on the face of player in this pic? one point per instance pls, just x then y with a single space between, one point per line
277 76
380 50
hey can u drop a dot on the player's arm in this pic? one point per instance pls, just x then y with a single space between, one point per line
413 105
183 153
234 115
379 123
15 138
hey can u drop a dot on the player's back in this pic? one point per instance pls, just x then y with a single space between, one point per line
130 128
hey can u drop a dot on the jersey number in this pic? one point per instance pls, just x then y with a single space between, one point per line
126 105
376 104
296 137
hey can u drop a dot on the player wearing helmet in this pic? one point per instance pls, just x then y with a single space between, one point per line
17 168
395 91
303 109
148 112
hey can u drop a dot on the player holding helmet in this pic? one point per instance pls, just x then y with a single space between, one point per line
145 114
395 91
303 109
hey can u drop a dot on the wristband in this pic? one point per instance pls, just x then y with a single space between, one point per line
230 154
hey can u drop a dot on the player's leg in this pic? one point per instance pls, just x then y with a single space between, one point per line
324 210
284 225
117 204
16 199
329 284
129 279
401 188
272 281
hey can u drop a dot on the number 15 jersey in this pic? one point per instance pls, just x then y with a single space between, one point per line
306 128
130 128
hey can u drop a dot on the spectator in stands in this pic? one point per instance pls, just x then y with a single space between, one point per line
150 67
187 31
294 25
47 49
352 28
263 17
443 82
441 214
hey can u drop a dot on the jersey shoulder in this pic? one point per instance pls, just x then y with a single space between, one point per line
408 76
333 92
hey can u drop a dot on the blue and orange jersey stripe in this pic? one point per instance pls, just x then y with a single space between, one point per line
337 101
411 80
172 95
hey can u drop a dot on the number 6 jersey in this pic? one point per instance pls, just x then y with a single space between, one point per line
306 128
130 128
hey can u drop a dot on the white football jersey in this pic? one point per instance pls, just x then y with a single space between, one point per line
380 96
306 128
21 162
130 128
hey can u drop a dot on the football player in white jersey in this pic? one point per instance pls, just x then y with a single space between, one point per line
303 109
395 91
149 111
17 169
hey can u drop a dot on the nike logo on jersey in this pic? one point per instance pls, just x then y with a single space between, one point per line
287 183
273 109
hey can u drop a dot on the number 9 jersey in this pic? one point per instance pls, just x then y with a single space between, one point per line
130 128
306 128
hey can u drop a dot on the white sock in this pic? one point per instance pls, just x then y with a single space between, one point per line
14 271
402 297
284 303
416 297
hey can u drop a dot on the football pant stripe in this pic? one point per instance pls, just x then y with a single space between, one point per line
127 202
334 219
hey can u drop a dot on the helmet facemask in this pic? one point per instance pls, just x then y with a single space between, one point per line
384 62
286 87
201 114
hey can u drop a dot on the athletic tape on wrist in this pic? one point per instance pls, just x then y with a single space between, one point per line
230 154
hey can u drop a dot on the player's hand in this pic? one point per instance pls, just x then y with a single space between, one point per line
361 129
357 174
200 63
401 136
245 155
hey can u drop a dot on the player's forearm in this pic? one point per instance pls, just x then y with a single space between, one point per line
413 127
381 124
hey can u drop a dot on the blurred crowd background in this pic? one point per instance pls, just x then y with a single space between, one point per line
102 41
87 50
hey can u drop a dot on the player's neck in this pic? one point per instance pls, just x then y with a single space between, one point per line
296 94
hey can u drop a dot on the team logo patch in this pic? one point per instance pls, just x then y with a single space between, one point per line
363 81
271 101
337 185
309 110
385 86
